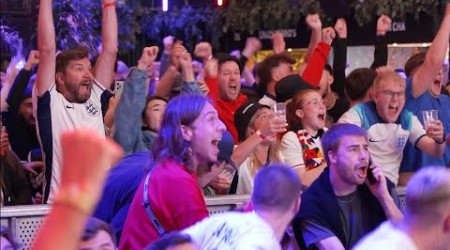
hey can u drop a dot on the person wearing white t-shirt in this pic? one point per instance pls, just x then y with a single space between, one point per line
274 207
301 147
426 222
70 94
390 126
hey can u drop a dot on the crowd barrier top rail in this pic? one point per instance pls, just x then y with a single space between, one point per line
24 221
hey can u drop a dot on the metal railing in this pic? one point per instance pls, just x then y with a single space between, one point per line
24 221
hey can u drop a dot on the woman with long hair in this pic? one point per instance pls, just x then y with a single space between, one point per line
301 146
254 118
189 137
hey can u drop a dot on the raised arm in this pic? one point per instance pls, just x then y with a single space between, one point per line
21 82
340 57
380 55
128 124
426 74
315 24
315 66
104 66
278 44
47 48
190 85
167 81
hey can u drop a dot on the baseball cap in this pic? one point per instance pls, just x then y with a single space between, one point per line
243 115
289 85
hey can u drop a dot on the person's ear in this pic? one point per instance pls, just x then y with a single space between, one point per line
299 113
373 94
330 79
59 77
332 157
187 133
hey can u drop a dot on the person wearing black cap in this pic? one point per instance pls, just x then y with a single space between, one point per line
257 130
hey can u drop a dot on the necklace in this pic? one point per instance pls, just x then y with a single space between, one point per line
347 199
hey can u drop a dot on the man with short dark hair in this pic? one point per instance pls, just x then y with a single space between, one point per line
274 207
427 217
272 70
341 205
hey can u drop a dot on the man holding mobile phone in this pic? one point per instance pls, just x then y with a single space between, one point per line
341 206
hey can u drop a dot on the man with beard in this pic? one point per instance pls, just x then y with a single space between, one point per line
390 126
341 206
76 95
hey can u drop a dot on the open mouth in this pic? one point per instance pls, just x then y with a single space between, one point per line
362 171
321 117
215 142
393 108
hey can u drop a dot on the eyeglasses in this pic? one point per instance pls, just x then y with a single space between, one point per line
389 93
314 102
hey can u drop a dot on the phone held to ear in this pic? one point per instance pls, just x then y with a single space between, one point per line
370 175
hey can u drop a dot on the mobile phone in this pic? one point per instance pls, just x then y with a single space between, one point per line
370 175
118 87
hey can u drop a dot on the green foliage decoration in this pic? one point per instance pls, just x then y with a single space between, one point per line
367 10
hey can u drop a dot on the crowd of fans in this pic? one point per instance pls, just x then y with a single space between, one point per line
128 158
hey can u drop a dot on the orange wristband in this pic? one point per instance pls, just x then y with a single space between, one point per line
109 4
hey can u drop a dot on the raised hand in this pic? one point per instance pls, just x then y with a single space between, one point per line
175 54
435 130
148 56
186 67
328 35
34 167
313 21
211 68
341 28
272 127
203 50
379 188
168 44
383 24
252 45
33 60
278 43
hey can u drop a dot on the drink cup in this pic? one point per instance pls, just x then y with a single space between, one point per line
428 117
280 109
